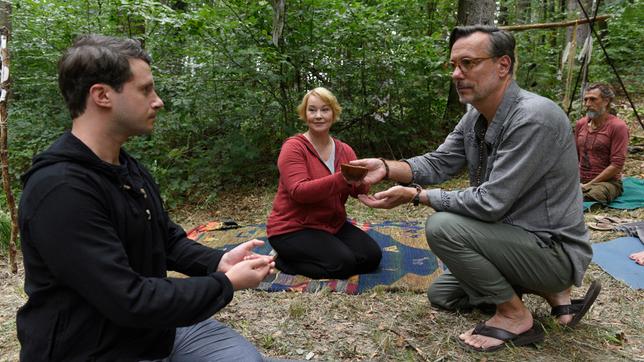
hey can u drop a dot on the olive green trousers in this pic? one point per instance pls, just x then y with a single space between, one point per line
488 262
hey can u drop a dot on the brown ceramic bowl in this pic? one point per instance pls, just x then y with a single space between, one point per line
353 173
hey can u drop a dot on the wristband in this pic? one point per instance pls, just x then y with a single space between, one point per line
419 189
386 168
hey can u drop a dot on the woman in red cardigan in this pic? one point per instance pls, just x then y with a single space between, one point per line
308 225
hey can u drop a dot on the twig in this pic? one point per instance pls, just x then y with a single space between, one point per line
589 346
418 350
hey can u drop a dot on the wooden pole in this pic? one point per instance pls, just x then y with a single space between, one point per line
562 24
4 152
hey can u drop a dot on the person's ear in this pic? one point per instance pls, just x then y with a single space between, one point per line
100 94
504 64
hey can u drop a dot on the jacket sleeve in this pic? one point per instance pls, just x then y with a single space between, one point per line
188 256
82 251
294 175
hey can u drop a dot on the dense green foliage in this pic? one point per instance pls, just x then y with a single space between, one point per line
230 92
5 231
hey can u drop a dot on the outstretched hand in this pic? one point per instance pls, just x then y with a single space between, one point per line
376 169
390 198
240 253
250 272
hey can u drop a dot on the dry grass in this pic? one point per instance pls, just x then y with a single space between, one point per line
388 326
384 326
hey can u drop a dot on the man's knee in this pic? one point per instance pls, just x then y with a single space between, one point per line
603 192
437 226
211 340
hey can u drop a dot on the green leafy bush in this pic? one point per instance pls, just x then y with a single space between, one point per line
230 93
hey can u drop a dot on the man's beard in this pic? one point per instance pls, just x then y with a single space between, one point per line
592 114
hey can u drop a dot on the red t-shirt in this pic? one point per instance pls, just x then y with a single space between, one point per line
600 148
308 195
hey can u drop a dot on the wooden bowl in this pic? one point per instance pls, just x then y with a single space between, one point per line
353 173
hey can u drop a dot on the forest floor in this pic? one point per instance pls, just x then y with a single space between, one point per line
391 326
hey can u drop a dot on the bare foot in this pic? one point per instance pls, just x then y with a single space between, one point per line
557 299
512 316
638 257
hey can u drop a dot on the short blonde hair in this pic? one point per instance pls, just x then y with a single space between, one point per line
326 96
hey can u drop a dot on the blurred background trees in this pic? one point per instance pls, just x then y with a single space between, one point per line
232 72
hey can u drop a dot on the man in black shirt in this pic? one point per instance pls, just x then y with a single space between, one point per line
97 242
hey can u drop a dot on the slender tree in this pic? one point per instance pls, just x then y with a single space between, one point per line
574 11
582 33
523 11
5 31
503 18
431 9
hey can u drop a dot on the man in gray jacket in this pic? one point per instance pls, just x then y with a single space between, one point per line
519 227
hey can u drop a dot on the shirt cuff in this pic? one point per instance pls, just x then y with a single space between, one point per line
438 199
412 166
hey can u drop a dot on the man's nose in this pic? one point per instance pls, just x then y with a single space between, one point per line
457 73
157 103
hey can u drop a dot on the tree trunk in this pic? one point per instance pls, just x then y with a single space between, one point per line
503 13
583 32
524 12
5 81
470 12
431 9
574 11
279 19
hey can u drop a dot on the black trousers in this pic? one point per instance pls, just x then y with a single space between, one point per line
320 255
